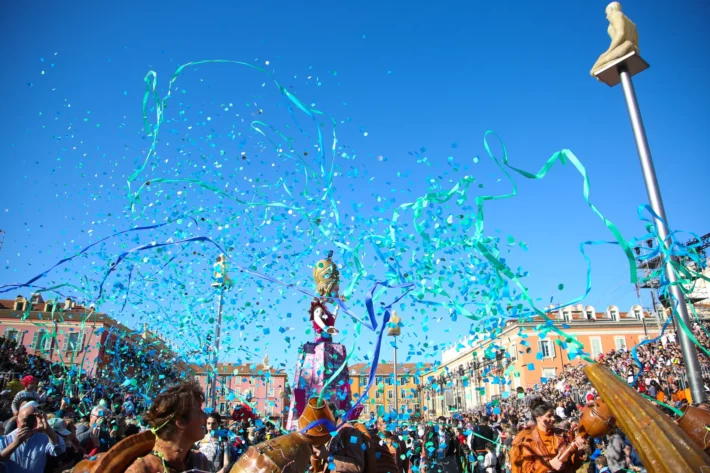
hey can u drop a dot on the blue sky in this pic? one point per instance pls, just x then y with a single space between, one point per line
402 82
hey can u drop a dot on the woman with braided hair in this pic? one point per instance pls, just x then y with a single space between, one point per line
178 421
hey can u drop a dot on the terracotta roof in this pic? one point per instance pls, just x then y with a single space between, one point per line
251 369
384 369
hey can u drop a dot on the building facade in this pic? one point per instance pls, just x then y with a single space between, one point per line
264 388
381 396
80 338
523 354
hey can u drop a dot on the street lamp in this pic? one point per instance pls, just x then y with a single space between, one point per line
395 330
619 70
476 367
222 282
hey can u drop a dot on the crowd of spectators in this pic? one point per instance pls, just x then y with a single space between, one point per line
43 429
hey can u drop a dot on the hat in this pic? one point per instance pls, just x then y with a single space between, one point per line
27 380
59 426
99 411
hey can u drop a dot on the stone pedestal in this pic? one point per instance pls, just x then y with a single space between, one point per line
316 364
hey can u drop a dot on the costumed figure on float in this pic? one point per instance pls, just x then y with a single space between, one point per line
319 360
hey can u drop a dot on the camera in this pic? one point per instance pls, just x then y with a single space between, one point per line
31 421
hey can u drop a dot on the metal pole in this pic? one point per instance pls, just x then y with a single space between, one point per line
690 355
396 404
218 333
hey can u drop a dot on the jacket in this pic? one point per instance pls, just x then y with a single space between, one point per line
530 455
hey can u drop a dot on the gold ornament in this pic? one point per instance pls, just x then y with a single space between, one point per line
327 277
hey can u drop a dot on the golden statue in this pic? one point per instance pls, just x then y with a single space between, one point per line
327 277
624 38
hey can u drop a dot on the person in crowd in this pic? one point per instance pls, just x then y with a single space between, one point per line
616 458
602 464
73 453
538 448
178 421
28 393
560 411
481 434
490 460
214 444
26 448
97 435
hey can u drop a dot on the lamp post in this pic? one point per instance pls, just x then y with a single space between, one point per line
221 282
395 330
621 70
476 367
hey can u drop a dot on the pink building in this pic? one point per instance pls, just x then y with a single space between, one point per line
77 336
266 386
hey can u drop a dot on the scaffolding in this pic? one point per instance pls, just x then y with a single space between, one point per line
698 290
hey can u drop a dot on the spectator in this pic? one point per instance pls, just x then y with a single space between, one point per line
26 448
214 445
29 393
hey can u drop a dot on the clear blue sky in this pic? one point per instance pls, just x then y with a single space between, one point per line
402 81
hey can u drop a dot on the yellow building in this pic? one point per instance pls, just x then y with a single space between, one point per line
478 371
381 397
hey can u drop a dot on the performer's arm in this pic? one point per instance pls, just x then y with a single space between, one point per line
319 322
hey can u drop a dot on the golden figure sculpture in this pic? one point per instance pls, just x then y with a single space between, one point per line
327 277
624 38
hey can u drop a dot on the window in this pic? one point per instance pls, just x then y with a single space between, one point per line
403 380
37 339
614 313
513 352
222 407
637 313
378 394
546 348
47 344
549 373
388 380
14 334
620 342
49 307
403 394
390 394
74 341
596 344
20 304
416 381
590 314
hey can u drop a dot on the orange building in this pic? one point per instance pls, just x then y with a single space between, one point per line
482 371
382 393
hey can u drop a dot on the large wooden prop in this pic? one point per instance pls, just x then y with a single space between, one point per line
121 456
289 453
696 423
660 442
